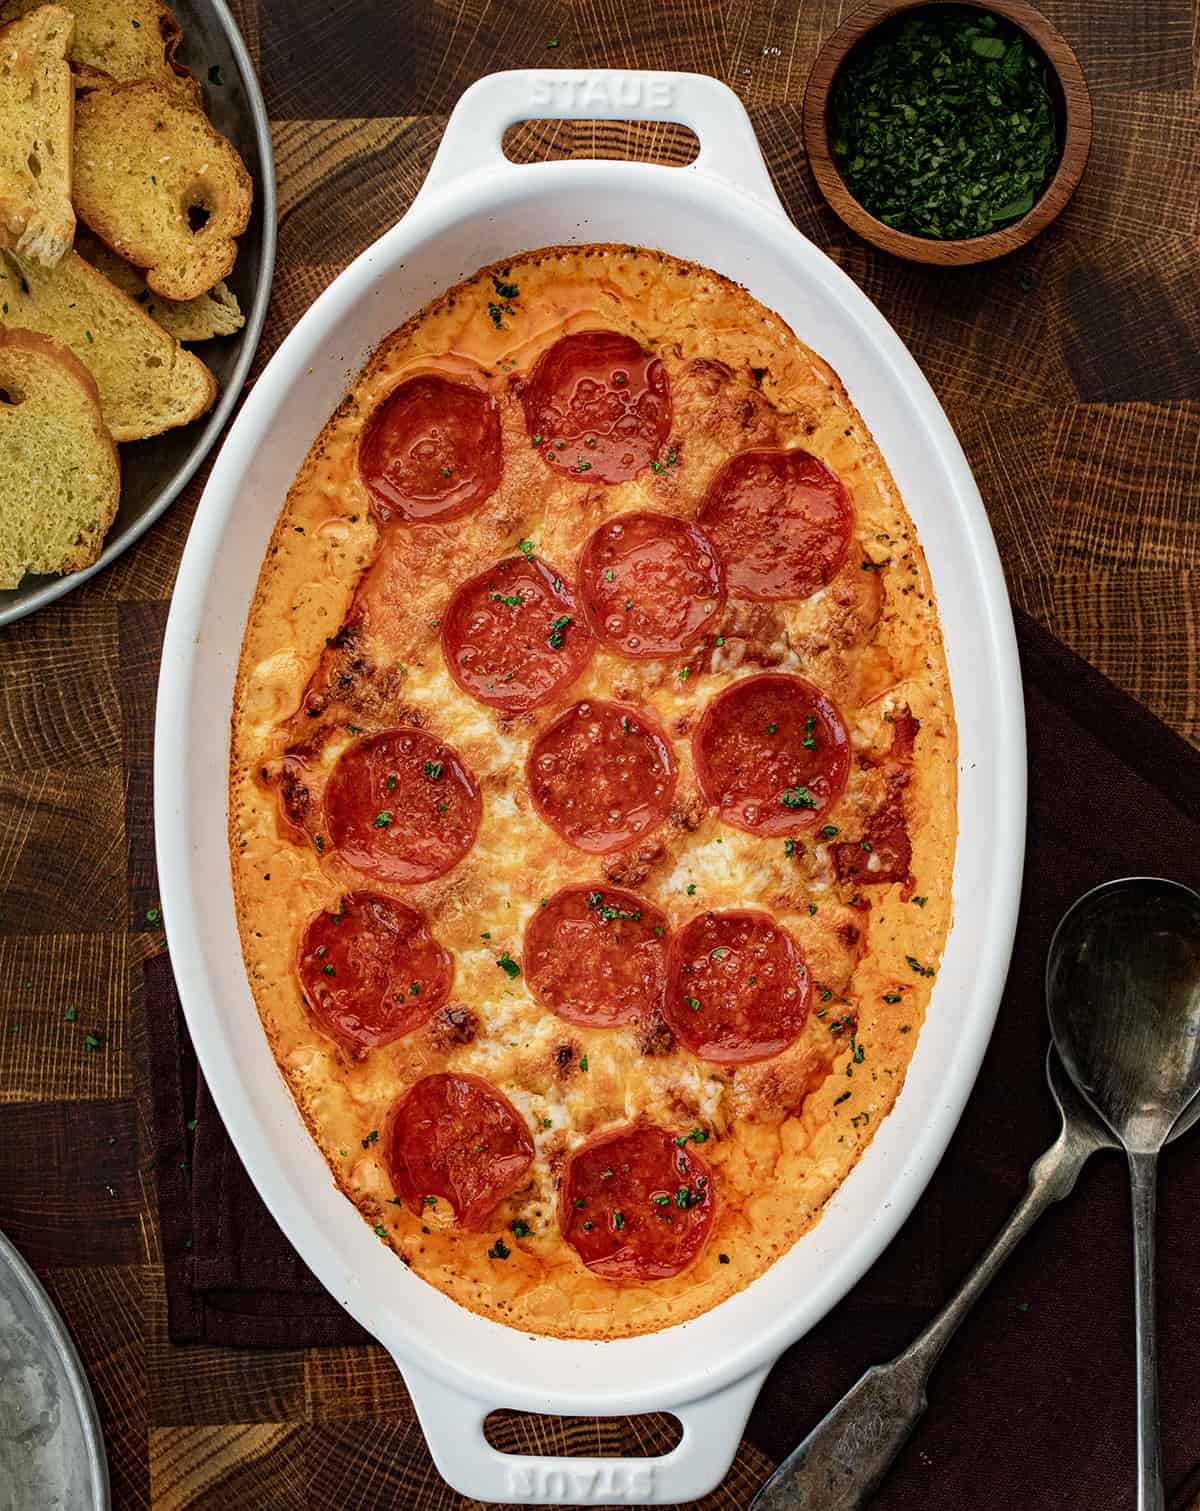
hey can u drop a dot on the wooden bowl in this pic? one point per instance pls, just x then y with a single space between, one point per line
1069 93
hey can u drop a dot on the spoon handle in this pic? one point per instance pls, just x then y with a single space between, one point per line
1143 1174
841 1462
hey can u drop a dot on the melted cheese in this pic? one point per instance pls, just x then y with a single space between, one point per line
782 1134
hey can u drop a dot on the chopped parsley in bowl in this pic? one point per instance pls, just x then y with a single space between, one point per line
943 122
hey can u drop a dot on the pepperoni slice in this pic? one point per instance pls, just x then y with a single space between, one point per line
651 584
512 636
431 451
780 521
601 775
372 971
772 753
737 989
597 406
597 956
636 1204
456 1138
402 807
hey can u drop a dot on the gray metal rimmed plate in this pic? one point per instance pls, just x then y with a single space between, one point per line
51 1447
154 471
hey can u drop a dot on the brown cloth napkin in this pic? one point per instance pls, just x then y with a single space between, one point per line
1032 1406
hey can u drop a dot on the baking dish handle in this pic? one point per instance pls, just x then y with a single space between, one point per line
474 134
453 1426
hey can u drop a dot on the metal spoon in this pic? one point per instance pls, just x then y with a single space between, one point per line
841 1462
1123 989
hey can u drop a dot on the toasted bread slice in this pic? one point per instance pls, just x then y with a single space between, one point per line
216 313
36 116
147 382
159 186
118 40
60 480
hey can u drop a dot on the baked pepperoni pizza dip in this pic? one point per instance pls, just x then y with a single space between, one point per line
593 791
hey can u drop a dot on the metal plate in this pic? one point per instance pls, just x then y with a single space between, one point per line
51 1447
154 471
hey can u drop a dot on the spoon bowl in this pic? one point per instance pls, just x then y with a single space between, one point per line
1123 993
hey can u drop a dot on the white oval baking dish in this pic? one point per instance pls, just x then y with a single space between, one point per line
476 207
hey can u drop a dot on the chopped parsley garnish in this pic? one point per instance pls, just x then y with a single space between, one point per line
371 1138
845 1097
391 784
797 797
697 1136
520 1228
499 1250
812 908
723 1258
506 290
693 1003
920 901
433 770
415 989
867 846
380 1230
921 970
383 820
354 729
771 728
514 600
892 997
71 1013
509 966
661 1201
526 549
90 1041
555 639
328 970
830 831
595 901
942 124
789 847
874 566
583 1063
691 891
618 1220
810 740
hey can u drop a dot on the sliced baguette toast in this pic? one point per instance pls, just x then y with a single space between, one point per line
36 121
60 480
148 383
216 313
118 40
158 185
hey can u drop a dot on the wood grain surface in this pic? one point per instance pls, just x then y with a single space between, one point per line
1070 371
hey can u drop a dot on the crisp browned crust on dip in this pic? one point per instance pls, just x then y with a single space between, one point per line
592 800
